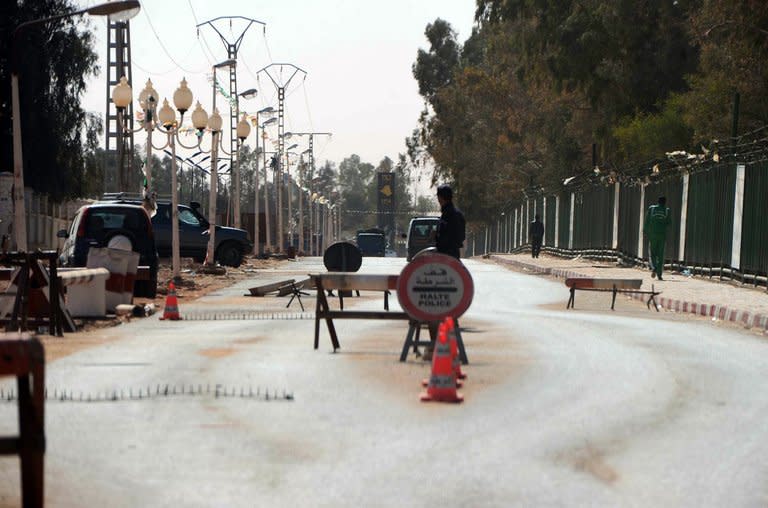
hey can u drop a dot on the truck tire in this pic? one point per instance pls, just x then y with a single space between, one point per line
230 254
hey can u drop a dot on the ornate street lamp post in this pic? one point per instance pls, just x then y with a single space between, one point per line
256 228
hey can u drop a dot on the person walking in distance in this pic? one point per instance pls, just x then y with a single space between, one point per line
451 229
536 232
657 220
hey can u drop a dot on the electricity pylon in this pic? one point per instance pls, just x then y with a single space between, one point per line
232 48
118 139
281 86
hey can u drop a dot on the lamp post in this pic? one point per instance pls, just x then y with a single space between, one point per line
242 130
119 10
165 121
268 232
302 190
121 97
256 245
311 153
148 101
248 94
214 124
226 63
289 194
182 99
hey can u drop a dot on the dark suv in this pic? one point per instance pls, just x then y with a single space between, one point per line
105 224
231 243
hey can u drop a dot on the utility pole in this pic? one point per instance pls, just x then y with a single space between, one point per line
281 85
234 107
119 140
311 164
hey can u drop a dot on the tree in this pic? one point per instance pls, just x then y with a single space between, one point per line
355 179
733 38
434 69
539 82
51 82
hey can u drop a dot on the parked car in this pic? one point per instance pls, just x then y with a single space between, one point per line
232 244
111 225
421 234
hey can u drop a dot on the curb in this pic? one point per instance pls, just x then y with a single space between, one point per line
721 312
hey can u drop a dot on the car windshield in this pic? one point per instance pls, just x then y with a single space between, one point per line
371 242
101 219
423 230
188 217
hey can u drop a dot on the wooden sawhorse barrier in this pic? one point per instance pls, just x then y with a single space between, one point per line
610 285
25 359
350 281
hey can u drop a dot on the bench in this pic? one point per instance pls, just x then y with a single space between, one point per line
350 281
24 358
613 286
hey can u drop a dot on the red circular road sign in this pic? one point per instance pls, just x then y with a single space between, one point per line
434 286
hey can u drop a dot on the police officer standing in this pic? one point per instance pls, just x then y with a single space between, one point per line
449 240
657 220
451 230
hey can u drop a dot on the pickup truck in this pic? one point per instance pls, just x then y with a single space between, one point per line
232 244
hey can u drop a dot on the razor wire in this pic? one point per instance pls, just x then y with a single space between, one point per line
413 213
247 316
160 391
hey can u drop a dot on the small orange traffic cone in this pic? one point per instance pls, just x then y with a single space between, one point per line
450 327
443 328
171 310
442 382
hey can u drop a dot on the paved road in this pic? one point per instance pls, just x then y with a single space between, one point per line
563 408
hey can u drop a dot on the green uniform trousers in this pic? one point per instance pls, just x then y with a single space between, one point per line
656 253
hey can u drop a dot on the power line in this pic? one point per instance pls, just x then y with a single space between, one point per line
160 42
306 105
194 16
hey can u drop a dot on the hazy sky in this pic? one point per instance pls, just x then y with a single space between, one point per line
357 55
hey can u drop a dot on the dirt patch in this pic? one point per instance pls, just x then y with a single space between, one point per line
192 285
59 347
593 462
254 340
483 342
217 352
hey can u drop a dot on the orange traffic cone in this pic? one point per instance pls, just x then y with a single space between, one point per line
442 382
171 310
443 328
450 327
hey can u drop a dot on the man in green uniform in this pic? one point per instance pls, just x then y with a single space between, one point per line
655 227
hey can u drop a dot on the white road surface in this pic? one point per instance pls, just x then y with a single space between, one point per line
562 408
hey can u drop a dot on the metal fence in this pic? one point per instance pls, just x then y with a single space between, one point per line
719 221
